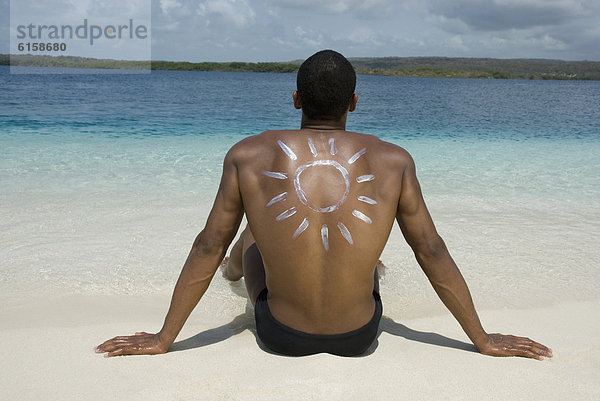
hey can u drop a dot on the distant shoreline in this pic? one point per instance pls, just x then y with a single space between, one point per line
426 67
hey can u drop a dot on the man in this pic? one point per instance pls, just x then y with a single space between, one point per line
320 204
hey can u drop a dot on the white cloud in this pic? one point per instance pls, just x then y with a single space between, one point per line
313 6
364 8
311 39
258 30
235 12
518 28
167 5
456 42
498 15
279 30
168 27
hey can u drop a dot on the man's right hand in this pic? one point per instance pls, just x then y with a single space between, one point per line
139 344
507 345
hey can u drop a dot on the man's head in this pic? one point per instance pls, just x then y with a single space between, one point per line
326 83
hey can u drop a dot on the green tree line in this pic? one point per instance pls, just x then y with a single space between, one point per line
396 66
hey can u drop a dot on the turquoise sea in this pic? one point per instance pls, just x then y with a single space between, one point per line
106 178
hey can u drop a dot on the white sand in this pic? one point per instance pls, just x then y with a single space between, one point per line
46 347
75 254
532 271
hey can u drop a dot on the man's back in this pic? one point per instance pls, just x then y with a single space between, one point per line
320 204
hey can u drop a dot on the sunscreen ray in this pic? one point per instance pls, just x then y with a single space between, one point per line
361 216
311 145
365 178
276 175
357 155
278 198
325 237
286 149
345 232
301 228
366 199
332 148
288 213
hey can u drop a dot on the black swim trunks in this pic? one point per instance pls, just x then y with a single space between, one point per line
288 341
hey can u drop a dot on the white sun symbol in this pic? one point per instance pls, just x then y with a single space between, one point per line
304 198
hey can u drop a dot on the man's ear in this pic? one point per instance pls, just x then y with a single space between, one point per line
297 102
353 101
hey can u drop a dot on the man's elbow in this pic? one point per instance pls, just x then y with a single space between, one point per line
431 250
207 245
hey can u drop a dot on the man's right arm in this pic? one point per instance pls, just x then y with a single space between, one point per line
437 264
204 258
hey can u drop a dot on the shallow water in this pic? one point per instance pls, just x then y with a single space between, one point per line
106 180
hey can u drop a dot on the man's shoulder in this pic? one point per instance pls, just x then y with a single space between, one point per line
248 144
385 150
253 146
260 140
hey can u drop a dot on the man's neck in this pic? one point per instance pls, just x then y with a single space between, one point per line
309 123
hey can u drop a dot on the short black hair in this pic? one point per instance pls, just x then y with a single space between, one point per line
326 83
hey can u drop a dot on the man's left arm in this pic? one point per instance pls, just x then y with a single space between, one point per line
208 250
435 260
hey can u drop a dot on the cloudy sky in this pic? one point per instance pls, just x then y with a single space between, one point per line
281 30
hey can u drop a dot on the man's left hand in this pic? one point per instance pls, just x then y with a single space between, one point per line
507 345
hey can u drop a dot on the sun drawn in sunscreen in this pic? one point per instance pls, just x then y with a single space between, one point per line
304 198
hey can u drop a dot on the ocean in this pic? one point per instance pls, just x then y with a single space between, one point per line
107 178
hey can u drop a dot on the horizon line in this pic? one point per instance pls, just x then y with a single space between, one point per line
294 61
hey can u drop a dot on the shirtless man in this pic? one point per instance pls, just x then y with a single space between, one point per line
320 203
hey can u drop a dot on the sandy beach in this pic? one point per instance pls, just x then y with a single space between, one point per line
81 269
87 285
47 347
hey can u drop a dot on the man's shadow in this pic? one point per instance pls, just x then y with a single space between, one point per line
245 321
394 328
